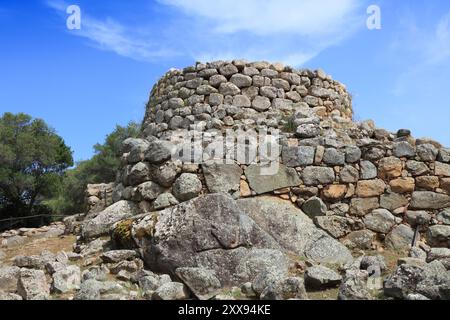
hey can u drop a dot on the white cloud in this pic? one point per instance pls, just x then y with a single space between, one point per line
424 50
290 31
265 17
438 47
112 36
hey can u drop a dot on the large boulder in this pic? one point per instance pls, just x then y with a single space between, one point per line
354 286
202 282
101 224
439 236
186 187
430 280
223 178
209 232
262 182
8 278
66 279
33 285
320 277
285 289
294 230
235 239
429 200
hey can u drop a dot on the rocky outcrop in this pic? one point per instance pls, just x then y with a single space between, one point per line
217 233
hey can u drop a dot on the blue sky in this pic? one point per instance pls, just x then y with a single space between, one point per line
84 82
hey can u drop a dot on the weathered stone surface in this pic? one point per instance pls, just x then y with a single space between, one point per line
262 182
379 220
403 149
402 185
228 70
373 264
417 168
293 230
66 279
159 151
229 89
33 285
8 296
36 261
361 239
208 232
202 282
368 170
400 238
165 200
336 226
241 101
308 130
425 279
362 206
8 278
313 176
261 103
100 225
298 156
166 174
438 254
354 286
429 200
442 169
352 154
392 201
320 277
115 256
92 289
135 148
334 157
217 80
389 168
429 183
314 207
444 216
417 217
370 188
444 155
241 81
427 152
223 178
439 236
148 191
187 186
139 173
349 174
288 288
335 192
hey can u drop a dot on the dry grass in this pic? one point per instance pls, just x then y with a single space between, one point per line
328 294
36 246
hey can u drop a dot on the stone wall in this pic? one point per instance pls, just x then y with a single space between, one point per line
98 196
363 185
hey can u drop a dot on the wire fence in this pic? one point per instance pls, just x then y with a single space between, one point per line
39 219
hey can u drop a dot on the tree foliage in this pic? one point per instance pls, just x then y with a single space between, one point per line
32 160
101 168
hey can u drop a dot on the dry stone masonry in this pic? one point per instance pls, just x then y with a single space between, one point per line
251 180
360 184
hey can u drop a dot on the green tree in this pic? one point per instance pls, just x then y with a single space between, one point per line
101 168
32 160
